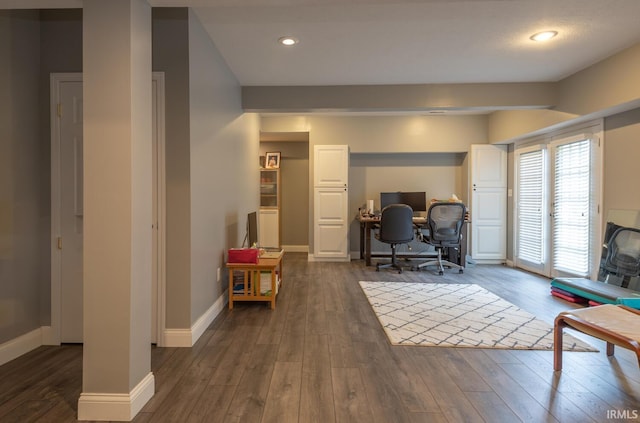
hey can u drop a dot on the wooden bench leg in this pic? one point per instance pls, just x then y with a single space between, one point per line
557 343
610 348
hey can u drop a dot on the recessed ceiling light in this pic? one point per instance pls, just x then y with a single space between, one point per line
288 41
544 36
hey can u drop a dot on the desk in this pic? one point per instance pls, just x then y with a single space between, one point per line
250 289
367 223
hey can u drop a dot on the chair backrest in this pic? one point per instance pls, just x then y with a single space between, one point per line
445 221
623 252
396 224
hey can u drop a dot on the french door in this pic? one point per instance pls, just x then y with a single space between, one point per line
557 223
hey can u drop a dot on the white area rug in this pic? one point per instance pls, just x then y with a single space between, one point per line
458 315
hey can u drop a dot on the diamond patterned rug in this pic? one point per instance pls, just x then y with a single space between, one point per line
458 315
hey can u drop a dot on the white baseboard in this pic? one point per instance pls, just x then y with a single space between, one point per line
205 320
116 407
21 345
489 261
510 263
188 337
311 257
295 248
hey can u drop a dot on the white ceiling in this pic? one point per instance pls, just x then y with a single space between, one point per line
406 41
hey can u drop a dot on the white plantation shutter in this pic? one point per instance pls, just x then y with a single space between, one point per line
572 207
531 208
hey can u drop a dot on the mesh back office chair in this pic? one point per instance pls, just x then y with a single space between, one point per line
444 224
623 254
396 227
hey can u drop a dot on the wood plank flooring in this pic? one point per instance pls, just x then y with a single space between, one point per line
322 356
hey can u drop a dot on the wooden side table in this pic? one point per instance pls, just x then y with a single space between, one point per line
247 287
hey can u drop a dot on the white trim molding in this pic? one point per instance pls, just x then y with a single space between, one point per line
311 257
21 345
188 337
116 407
295 248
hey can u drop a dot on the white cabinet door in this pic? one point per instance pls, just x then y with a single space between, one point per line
331 165
331 227
488 208
489 224
269 228
488 165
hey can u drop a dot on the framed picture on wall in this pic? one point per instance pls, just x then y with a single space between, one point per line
273 160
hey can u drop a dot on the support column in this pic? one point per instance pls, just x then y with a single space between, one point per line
117 379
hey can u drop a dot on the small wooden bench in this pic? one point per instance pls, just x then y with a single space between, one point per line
615 324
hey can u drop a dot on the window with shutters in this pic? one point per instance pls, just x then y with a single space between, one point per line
531 208
572 206
556 205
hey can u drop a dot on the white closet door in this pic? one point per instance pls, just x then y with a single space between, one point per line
489 224
331 210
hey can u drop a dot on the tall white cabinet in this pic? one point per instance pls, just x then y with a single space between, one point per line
488 182
331 203
269 215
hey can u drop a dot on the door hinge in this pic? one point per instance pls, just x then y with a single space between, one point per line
59 243
59 109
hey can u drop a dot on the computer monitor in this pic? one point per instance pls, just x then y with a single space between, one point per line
252 229
416 200
387 198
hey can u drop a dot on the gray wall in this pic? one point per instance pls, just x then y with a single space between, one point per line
171 56
223 156
22 226
211 151
419 142
621 154
60 51
391 153
437 174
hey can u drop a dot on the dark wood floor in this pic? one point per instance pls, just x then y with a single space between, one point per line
322 356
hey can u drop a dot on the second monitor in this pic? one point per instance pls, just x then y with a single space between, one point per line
416 200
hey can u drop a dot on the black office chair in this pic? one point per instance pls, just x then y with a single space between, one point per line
623 254
444 225
396 227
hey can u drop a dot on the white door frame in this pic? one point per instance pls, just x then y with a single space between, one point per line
52 337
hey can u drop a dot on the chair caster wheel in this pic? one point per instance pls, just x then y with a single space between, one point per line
400 271
441 273
460 271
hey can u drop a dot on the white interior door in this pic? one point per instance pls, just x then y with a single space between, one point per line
67 214
70 239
